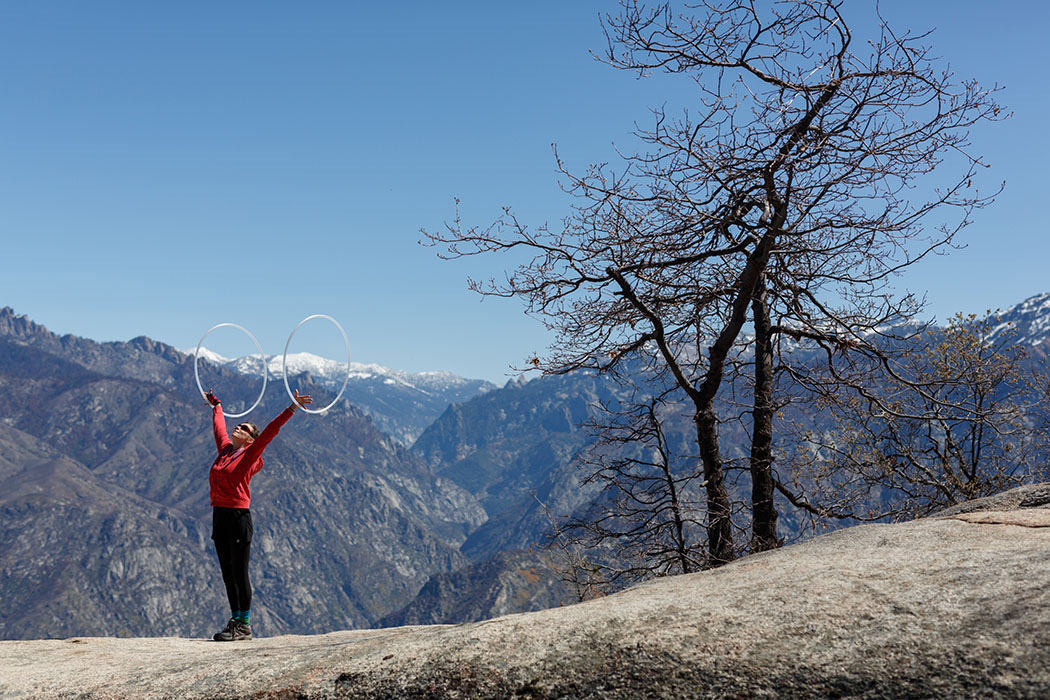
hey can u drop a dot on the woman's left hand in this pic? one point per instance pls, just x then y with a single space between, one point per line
301 400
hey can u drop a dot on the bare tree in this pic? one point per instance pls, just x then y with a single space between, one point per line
789 192
571 561
645 515
963 418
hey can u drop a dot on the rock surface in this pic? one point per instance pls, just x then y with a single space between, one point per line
952 606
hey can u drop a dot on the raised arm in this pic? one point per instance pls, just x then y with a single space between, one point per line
270 431
218 423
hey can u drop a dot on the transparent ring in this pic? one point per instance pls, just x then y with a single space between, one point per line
262 358
284 363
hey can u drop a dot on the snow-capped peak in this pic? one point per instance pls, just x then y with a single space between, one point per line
1030 320
332 373
213 357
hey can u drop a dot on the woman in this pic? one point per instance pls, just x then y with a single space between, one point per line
239 459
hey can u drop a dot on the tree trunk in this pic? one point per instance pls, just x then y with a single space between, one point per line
719 512
763 508
719 523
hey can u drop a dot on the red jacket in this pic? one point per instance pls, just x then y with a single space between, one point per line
233 469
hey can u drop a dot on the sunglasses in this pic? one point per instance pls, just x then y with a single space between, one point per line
246 428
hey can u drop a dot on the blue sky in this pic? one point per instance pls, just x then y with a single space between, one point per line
169 166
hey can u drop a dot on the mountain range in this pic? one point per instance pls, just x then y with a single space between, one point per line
104 511
415 499
402 404
104 449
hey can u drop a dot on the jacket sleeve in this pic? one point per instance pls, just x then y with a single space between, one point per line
218 426
255 450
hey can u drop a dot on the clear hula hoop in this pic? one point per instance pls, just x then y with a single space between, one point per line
262 359
284 363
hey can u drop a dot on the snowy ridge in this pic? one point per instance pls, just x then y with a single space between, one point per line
402 404
1029 320
331 373
213 357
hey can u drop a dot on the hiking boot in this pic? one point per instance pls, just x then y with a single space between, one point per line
234 631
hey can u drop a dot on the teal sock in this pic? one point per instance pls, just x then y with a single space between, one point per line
243 616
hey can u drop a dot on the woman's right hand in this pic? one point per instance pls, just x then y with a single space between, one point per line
211 398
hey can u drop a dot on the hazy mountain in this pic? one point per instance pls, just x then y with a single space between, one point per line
514 449
350 525
402 404
140 359
84 556
105 516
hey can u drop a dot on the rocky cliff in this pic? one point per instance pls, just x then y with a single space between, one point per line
950 606
514 448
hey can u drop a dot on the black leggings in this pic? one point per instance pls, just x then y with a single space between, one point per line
232 531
